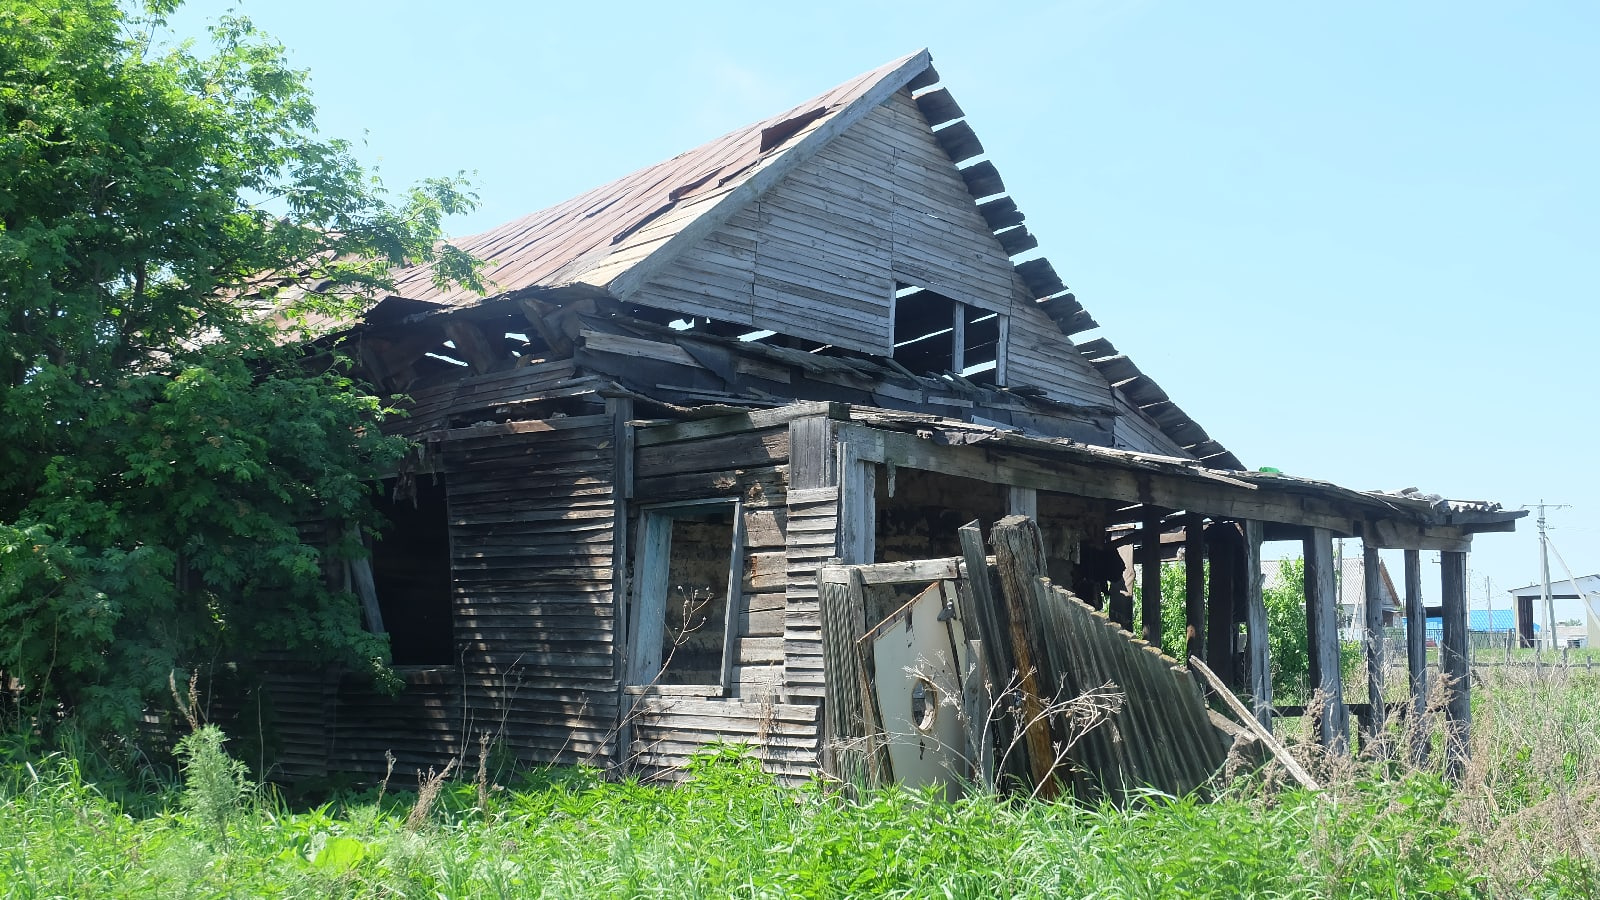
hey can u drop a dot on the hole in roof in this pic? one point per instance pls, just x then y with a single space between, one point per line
776 135
757 335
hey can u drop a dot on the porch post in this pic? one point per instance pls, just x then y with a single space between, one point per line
1453 656
1416 652
1374 639
1257 655
1322 627
1150 577
1194 586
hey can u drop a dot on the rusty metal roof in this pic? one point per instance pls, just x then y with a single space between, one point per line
596 236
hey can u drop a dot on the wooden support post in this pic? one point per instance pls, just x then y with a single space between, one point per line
1258 657
1416 654
1453 657
1119 606
1022 502
1019 558
1222 541
1150 577
1374 640
1322 626
1194 586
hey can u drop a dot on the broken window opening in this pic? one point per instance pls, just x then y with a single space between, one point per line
688 594
935 334
411 572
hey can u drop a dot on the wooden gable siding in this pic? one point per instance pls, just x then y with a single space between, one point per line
1039 355
665 730
819 254
1136 431
531 535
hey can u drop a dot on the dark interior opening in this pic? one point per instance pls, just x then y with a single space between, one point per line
699 556
411 572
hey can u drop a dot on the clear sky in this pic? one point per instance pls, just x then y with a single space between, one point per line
1355 241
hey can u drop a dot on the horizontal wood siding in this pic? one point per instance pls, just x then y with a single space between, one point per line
1039 355
531 529
812 539
1136 431
666 730
429 408
669 730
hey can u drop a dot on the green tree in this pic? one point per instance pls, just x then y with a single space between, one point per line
171 223
1284 596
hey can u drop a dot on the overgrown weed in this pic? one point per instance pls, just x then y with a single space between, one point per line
1516 825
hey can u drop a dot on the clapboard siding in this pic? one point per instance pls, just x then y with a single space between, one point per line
669 731
1039 355
665 730
812 539
531 535
1136 431
429 409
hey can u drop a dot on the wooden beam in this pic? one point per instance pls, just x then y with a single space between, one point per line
1103 480
1222 544
1373 639
1150 577
1257 655
1194 586
542 317
1416 654
1387 534
1322 611
910 572
482 352
1453 659
995 627
651 435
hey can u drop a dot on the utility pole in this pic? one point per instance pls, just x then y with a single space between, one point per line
1544 579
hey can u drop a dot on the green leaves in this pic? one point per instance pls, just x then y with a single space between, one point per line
164 214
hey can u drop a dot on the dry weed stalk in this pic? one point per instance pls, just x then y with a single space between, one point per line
428 788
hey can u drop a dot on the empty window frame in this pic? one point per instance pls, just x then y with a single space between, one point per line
933 333
687 582
411 573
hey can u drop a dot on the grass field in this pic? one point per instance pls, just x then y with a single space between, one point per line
1522 822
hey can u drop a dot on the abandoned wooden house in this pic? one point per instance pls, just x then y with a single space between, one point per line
697 469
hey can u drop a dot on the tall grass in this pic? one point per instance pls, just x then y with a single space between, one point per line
1518 825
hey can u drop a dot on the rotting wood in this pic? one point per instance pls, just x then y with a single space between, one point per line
1150 576
1373 641
1453 659
1416 654
1194 585
1322 604
1258 655
1018 556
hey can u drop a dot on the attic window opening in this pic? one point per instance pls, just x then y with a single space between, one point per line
935 334
411 572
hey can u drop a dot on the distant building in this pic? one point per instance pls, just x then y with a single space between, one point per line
1530 616
1352 593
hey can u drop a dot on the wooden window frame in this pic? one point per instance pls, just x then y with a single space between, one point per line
652 563
958 331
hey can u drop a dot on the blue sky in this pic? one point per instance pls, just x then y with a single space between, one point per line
1355 241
